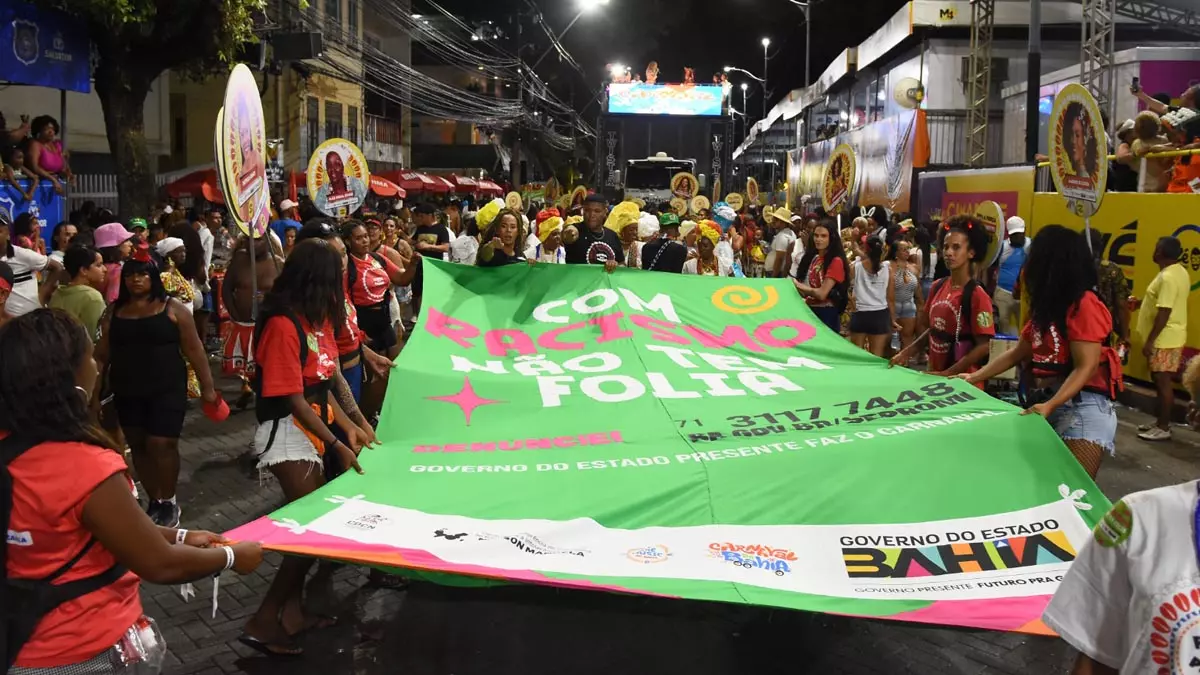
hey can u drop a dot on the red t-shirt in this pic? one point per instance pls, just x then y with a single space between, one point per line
278 355
817 274
372 280
351 336
46 530
1088 321
944 306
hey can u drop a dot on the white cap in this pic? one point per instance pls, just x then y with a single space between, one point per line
1016 224
167 245
287 205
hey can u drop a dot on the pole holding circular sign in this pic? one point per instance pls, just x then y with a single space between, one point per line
735 200
1078 152
241 152
338 177
840 179
752 193
992 217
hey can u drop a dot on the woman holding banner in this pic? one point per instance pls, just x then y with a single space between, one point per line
1076 374
824 268
957 318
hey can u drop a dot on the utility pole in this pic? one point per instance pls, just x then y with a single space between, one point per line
1033 81
516 156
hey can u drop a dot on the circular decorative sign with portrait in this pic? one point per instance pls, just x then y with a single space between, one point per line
338 177
840 179
1078 149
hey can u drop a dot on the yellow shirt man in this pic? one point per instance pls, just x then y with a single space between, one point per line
1169 290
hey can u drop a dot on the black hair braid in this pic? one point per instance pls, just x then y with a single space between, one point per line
977 235
1059 270
38 399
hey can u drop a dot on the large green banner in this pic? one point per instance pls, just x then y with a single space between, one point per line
698 438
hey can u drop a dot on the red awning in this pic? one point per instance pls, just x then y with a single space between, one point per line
463 184
415 181
201 183
386 188
488 187
446 186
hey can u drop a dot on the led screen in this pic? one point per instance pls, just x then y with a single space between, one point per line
637 98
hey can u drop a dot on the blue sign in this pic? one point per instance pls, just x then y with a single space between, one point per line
44 48
47 206
638 98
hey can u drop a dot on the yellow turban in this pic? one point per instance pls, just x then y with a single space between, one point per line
488 213
548 222
710 230
573 220
623 214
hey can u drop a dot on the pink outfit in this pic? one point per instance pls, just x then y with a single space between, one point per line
51 159
112 281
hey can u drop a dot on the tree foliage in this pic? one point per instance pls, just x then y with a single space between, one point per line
135 42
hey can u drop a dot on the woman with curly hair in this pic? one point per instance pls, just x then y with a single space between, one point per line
823 270
957 317
1082 148
502 241
1076 374
72 508
706 263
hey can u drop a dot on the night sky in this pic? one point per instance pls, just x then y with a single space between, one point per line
702 34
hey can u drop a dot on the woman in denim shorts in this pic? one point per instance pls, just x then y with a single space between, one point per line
1076 372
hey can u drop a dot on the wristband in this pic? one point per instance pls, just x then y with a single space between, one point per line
229 558
180 535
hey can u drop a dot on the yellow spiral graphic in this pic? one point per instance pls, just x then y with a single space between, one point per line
744 299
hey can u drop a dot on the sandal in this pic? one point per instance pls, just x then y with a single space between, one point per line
276 650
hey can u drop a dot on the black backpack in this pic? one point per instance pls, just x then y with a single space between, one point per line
25 602
274 408
352 273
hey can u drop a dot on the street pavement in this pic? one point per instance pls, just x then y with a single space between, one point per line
440 630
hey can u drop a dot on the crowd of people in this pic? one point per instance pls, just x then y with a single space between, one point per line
114 325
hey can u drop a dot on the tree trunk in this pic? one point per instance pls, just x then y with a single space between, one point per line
123 91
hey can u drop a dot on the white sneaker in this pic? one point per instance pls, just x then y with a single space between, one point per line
1155 434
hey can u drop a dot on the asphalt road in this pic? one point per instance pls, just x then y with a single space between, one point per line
439 630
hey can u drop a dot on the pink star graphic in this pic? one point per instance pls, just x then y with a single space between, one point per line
466 399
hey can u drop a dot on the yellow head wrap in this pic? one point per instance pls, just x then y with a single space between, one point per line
622 214
573 220
710 230
548 222
488 213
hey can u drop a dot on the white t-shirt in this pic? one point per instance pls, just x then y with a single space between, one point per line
692 266
797 254
449 233
870 290
207 240
779 246
1131 599
25 265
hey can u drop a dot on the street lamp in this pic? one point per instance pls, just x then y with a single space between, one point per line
585 7
806 7
766 42
745 72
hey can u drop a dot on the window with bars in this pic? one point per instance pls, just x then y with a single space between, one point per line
352 124
333 19
352 24
312 126
333 120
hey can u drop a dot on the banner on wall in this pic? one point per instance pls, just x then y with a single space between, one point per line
1130 224
887 152
944 194
556 404
43 47
47 206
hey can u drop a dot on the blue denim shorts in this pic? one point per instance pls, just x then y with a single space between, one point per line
1090 417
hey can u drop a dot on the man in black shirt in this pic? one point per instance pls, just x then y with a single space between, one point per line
664 254
430 239
593 244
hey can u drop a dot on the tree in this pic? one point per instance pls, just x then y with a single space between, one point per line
138 40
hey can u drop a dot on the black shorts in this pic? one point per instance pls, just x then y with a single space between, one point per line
871 323
158 415
376 322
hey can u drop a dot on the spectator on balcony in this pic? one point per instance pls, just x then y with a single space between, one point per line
1123 171
1153 174
47 157
16 135
14 172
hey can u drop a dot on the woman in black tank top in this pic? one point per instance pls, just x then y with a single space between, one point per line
144 338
